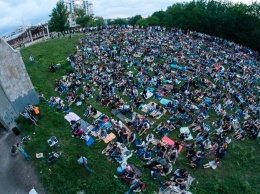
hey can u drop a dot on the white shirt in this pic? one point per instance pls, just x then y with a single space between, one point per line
82 160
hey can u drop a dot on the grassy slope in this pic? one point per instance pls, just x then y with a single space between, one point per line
239 171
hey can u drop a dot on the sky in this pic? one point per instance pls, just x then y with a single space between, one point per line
15 13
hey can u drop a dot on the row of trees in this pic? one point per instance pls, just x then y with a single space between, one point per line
237 22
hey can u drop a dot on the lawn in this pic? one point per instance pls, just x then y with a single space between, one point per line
239 171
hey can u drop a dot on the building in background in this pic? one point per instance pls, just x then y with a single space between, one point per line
26 34
77 4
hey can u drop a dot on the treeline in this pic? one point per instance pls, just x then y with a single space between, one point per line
237 22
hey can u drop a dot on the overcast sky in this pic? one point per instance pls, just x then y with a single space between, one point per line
14 13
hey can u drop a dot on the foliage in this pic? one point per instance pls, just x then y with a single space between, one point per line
59 18
96 21
80 13
81 18
118 21
133 20
84 21
237 22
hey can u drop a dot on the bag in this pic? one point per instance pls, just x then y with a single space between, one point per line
79 103
142 186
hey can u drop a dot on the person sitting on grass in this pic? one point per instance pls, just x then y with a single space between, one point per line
85 137
86 112
131 138
147 156
144 129
78 132
239 135
197 159
149 138
213 164
159 127
137 185
141 151
171 155
108 148
150 109
158 111
92 112
29 117
102 134
139 144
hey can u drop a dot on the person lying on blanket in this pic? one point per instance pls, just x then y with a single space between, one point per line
150 109
158 111
102 134
85 137
108 148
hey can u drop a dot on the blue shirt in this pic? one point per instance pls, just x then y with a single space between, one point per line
82 160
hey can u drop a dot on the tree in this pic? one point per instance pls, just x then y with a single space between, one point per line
80 13
59 18
133 20
150 21
96 21
84 21
118 21
81 18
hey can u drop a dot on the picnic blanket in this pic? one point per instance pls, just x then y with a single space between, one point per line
168 87
167 140
119 115
146 107
84 125
164 101
109 137
90 141
150 89
148 94
97 115
104 122
186 130
71 116
124 126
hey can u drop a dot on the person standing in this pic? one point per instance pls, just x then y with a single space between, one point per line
21 150
36 111
84 161
31 59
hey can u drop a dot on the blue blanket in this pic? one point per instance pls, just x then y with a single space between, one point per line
164 101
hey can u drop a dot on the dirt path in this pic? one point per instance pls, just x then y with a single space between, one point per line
17 176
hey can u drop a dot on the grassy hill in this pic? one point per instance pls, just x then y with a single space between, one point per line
238 172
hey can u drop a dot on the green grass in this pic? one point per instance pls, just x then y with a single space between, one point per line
239 171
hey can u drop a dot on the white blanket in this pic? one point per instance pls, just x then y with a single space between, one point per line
71 116
186 130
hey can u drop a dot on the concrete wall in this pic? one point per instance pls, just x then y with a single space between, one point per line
16 89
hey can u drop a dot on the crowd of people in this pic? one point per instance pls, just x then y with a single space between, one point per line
201 76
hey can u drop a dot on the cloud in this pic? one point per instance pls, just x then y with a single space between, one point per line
31 12
16 12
